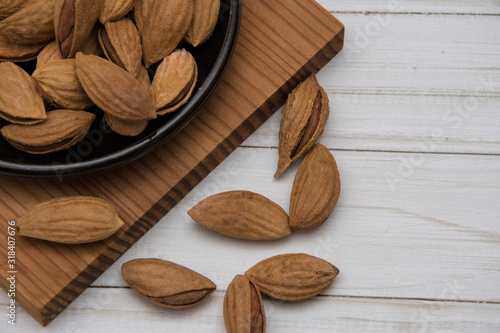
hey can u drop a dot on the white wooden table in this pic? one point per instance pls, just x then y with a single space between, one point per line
415 130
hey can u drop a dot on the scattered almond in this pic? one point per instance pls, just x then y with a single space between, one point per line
242 214
302 121
167 284
316 189
70 220
243 307
292 277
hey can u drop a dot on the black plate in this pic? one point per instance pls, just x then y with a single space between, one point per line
103 149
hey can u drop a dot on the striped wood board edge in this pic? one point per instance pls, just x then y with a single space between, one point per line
280 43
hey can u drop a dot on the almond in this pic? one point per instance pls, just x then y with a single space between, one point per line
302 121
242 214
316 189
205 15
10 51
243 307
20 102
33 24
126 128
49 53
174 82
70 220
73 22
62 129
113 89
292 277
113 10
167 284
162 25
9 7
58 83
121 43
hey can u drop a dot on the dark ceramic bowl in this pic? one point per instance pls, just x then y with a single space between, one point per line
103 149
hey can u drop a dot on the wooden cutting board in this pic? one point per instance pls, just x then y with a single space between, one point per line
280 43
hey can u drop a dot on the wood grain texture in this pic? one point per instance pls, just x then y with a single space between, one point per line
421 6
123 310
303 36
416 83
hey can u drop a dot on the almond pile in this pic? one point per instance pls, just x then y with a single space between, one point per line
95 52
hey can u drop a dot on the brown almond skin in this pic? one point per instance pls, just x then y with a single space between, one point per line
243 307
302 122
13 52
20 102
174 82
113 89
58 83
70 220
143 77
9 7
121 43
49 53
242 214
74 20
53 52
292 277
91 45
62 129
316 189
113 10
162 25
126 128
205 15
33 24
167 284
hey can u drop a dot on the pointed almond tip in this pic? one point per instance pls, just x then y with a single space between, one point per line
278 172
282 166
189 212
336 271
79 57
194 213
119 222
148 61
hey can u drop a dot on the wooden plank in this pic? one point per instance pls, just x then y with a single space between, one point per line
428 230
303 36
420 83
122 310
422 6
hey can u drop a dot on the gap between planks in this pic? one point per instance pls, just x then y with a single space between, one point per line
443 300
383 151
416 93
333 12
